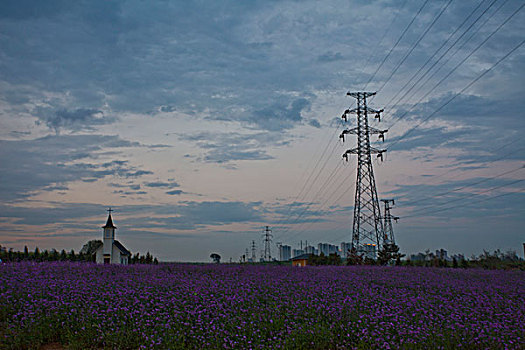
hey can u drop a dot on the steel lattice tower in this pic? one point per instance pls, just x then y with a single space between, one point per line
254 252
387 224
267 244
367 232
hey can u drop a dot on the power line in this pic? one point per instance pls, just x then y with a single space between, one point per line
388 104
458 65
467 185
486 162
415 45
470 197
460 92
387 30
300 230
395 45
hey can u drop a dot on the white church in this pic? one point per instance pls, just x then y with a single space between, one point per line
112 251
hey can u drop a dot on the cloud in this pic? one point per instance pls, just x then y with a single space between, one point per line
192 215
175 192
75 120
330 57
229 147
160 184
180 216
167 109
315 123
280 115
53 161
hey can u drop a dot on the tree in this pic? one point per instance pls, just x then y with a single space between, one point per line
464 263
53 255
215 257
63 255
26 253
91 247
36 254
353 258
71 256
388 254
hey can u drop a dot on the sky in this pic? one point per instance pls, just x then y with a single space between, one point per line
199 123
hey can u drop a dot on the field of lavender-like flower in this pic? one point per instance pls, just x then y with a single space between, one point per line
179 306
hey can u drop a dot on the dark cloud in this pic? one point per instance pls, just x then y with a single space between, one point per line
432 137
315 123
330 57
53 161
280 116
20 133
75 120
229 147
182 216
175 192
160 184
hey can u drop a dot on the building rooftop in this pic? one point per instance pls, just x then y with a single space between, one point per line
302 257
121 248
109 223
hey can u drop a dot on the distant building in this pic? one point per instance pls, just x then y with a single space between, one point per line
345 248
111 251
297 252
458 257
311 250
417 257
369 251
442 254
285 252
327 248
301 260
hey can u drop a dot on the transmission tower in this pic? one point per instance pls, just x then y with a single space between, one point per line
387 224
267 243
367 232
254 252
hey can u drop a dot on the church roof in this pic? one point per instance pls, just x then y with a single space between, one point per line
109 223
121 248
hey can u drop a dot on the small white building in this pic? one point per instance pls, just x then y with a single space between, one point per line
112 251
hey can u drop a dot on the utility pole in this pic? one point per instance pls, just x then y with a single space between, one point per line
267 243
254 252
387 224
367 228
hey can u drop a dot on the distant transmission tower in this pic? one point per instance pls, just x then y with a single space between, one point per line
254 252
367 232
267 243
387 224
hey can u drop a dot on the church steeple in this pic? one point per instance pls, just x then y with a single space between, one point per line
109 223
109 238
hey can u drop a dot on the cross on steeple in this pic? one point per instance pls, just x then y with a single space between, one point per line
110 210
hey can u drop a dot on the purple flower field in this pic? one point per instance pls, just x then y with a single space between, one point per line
180 306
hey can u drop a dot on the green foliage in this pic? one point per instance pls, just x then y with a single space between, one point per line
86 254
389 254
317 260
353 258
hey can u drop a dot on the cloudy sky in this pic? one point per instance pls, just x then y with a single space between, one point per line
201 122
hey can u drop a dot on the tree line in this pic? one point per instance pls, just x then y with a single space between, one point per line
390 255
86 254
